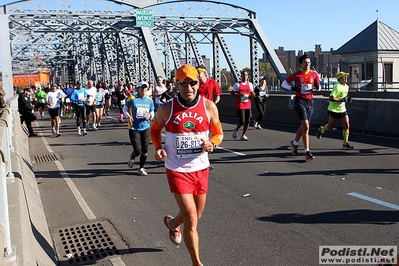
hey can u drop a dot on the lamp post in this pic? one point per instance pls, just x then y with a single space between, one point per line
328 75
328 78
225 78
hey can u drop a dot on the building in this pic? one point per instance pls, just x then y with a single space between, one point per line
41 78
372 55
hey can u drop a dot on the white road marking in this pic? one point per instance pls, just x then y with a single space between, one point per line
82 203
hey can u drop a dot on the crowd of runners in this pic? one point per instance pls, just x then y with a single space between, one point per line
89 102
185 107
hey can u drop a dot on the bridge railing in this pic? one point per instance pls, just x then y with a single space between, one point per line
6 174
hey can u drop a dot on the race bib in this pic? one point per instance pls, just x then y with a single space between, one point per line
67 100
122 102
81 97
42 101
245 98
90 100
306 88
141 112
262 94
188 146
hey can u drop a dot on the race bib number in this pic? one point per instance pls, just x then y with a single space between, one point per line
81 97
42 101
122 102
306 88
245 98
188 146
262 94
90 100
141 112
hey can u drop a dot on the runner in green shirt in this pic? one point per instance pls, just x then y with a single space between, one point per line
40 96
337 109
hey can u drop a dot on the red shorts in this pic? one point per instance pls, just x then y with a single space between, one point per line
188 183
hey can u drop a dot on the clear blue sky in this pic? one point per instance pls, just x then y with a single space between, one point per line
325 22
300 25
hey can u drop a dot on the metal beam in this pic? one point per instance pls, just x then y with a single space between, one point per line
269 51
152 51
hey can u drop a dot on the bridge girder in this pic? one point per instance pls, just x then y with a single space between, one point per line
54 36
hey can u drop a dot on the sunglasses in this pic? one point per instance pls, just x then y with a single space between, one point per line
186 83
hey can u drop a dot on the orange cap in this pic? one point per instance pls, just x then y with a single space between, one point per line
186 71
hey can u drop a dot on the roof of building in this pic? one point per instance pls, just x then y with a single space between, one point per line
376 37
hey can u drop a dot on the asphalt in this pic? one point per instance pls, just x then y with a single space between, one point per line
265 206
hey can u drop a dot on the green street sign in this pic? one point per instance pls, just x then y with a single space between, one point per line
144 18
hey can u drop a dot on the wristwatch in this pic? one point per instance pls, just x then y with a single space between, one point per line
214 145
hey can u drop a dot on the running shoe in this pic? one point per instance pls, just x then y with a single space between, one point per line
84 132
259 127
319 132
130 163
235 134
174 233
58 134
142 172
255 124
294 148
244 138
53 131
95 128
79 131
309 156
346 146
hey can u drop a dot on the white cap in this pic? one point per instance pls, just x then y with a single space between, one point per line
141 84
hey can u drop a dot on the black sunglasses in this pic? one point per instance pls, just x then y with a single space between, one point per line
186 83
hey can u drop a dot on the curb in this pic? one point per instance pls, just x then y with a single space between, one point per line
30 236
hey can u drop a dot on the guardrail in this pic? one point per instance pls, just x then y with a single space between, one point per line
367 113
6 174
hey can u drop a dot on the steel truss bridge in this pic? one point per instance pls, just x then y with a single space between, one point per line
99 39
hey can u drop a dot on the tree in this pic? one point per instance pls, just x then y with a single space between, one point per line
266 70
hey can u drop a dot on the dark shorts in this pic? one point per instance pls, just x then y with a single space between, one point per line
243 116
99 106
54 112
304 108
337 115
39 105
90 108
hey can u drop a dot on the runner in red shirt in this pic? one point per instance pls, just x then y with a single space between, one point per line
189 118
209 88
243 91
305 81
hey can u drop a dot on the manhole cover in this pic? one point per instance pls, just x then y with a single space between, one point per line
87 243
